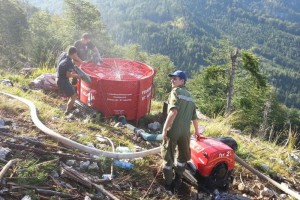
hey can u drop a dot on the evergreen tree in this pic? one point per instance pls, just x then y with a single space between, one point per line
81 16
13 32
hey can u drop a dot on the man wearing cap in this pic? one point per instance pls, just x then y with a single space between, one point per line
65 70
176 131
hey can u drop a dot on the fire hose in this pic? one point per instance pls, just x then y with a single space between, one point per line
266 178
158 137
94 151
76 145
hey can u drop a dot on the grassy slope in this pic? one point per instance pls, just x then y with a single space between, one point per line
253 150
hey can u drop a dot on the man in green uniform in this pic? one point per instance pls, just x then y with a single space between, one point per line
176 131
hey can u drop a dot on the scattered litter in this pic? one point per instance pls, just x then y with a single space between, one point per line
121 149
2 122
283 196
87 198
70 162
117 132
101 139
108 176
6 82
295 157
84 165
123 164
54 174
4 152
80 135
235 131
27 197
138 148
93 166
2 125
154 126
90 145
266 192
265 167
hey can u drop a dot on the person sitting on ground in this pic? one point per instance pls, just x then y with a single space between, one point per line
65 70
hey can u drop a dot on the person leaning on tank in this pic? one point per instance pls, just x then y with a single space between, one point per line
83 46
176 131
65 70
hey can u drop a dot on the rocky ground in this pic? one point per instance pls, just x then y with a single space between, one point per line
59 172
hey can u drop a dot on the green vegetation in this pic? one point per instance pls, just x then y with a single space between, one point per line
254 107
188 31
198 37
35 171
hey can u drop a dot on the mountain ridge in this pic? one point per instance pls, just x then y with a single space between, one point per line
186 31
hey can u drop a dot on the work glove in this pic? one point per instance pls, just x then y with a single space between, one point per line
96 58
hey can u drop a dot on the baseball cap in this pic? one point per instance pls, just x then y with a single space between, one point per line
179 74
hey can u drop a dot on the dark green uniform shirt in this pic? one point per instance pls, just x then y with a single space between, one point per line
182 100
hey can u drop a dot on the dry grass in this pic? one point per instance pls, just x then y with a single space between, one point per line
253 150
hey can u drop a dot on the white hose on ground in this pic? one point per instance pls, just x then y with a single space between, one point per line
77 145
264 177
112 164
156 150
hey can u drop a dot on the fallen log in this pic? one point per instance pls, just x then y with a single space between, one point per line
46 191
78 177
264 177
55 193
44 152
6 167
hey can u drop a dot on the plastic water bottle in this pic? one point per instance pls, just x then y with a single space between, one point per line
123 150
123 164
108 176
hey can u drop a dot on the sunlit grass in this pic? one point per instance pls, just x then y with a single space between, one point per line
43 70
34 173
253 150
156 107
292 139
216 127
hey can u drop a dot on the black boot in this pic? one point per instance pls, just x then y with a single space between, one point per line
169 189
176 184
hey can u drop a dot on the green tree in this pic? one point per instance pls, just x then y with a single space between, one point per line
163 66
81 16
13 31
44 45
209 87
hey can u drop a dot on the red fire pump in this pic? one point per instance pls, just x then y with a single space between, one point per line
212 161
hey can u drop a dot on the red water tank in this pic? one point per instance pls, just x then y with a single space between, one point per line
118 87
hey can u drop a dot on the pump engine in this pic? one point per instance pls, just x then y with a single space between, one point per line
212 161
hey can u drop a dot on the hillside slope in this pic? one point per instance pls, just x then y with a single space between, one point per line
186 31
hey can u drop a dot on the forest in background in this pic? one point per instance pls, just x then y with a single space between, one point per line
186 31
172 35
